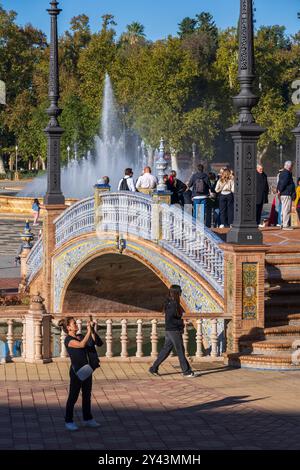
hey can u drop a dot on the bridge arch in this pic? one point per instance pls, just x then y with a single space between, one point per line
70 259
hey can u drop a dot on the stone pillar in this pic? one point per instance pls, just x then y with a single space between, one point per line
23 257
37 348
156 217
51 213
99 189
244 292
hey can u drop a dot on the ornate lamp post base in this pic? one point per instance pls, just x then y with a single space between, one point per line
244 230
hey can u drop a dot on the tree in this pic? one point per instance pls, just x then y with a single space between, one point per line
186 27
278 120
200 37
94 61
135 34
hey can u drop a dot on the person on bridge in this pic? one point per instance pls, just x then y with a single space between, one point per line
262 192
174 329
178 188
286 191
297 200
127 183
84 360
225 188
147 182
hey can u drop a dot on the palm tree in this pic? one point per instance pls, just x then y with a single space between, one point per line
134 33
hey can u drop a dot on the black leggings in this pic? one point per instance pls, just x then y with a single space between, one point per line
75 386
226 209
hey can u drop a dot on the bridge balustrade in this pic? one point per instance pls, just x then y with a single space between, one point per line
75 221
34 260
137 336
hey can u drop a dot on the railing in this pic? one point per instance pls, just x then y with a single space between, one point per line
115 331
11 319
34 260
78 219
195 244
127 213
131 336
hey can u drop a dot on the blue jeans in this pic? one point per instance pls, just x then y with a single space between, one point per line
200 209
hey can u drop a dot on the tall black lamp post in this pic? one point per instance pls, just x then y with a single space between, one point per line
245 135
53 131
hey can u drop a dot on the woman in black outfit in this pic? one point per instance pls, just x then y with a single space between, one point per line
82 352
174 329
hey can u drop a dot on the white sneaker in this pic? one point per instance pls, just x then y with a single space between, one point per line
71 426
91 423
190 374
222 226
261 225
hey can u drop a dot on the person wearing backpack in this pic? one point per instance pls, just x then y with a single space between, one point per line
127 183
200 185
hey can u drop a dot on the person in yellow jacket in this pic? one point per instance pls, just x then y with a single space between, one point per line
297 200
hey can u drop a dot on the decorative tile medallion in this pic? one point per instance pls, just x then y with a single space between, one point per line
250 285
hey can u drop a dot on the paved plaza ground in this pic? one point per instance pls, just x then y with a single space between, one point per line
222 409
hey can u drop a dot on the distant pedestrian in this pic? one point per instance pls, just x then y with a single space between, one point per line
127 183
262 192
174 326
178 188
200 185
225 187
286 191
147 182
36 208
84 360
213 211
297 200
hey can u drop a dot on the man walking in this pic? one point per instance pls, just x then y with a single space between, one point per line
286 191
174 330
200 185
262 192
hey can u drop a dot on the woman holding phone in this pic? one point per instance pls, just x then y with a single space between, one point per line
84 360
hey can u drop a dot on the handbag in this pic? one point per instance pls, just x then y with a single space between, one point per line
84 372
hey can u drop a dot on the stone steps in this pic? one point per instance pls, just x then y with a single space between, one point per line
274 346
274 351
285 330
281 361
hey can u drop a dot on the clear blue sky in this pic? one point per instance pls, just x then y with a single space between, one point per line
160 17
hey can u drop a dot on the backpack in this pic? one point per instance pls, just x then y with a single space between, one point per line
124 185
200 186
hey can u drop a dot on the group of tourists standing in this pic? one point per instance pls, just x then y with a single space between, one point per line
210 197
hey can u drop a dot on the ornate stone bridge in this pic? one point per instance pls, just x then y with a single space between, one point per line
163 238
